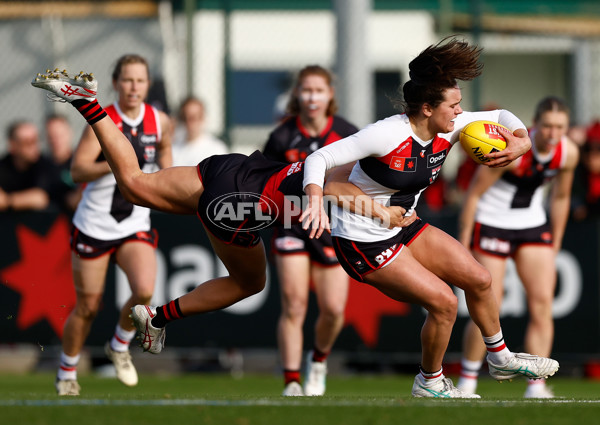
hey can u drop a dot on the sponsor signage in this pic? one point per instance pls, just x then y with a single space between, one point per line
36 293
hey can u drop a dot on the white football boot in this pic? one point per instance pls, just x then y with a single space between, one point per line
316 374
523 364
443 388
126 372
64 88
153 339
538 389
293 389
467 385
67 387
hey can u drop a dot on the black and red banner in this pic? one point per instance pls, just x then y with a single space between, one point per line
37 294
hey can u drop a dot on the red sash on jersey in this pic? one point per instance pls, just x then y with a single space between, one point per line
150 124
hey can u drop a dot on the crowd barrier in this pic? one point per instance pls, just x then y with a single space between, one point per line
36 293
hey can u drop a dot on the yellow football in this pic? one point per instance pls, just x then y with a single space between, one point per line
480 138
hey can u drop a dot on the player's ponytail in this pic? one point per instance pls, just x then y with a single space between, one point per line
438 68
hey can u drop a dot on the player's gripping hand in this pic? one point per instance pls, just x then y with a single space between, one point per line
314 216
517 144
396 217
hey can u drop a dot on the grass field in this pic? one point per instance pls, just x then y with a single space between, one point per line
221 400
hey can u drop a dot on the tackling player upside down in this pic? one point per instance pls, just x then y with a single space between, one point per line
193 190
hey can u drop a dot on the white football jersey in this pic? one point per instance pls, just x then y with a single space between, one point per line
394 167
516 200
103 213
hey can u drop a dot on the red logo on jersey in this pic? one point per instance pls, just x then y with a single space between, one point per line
294 155
149 153
403 164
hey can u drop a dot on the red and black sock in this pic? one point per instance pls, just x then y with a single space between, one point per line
167 313
318 355
495 345
291 376
91 111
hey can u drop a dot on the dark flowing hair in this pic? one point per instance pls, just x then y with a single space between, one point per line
436 69
293 106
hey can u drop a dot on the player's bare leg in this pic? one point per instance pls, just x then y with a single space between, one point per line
174 190
474 350
88 278
247 276
539 281
331 287
294 291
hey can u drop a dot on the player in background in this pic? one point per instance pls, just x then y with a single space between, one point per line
586 188
59 136
504 216
398 158
107 227
192 142
26 175
310 124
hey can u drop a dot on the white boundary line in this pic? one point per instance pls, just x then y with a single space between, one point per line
272 402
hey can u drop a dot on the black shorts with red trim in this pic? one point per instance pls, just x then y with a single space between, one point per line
218 178
361 258
505 242
244 194
87 247
295 240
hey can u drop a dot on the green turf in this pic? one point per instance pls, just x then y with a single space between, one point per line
220 400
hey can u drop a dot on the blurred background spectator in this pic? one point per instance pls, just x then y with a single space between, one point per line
192 143
64 193
586 190
25 174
